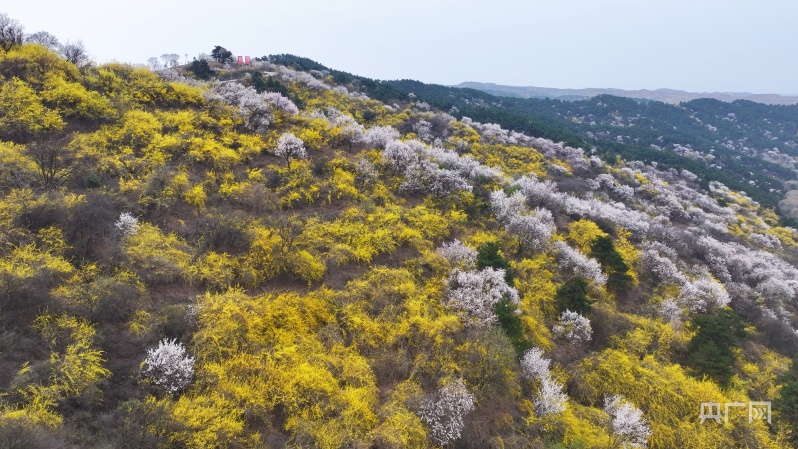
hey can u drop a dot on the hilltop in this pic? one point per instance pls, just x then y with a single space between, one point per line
285 255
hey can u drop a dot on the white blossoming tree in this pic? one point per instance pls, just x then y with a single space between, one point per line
477 292
573 327
256 109
533 228
380 136
582 265
351 134
703 294
127 224
445 412
627 422
290 147
670 311
550 399
168 366
399 156
458 254
534 365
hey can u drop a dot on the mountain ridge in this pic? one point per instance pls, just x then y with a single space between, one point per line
665 95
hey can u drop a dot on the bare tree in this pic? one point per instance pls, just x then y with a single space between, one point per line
153 63
75 52
170 59
44 39
174 59
55 162
11 32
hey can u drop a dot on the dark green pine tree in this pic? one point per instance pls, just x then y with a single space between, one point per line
221 54
710 349
618 278
258 82
573 296
506 312
200 69
488 256
786 404
510 322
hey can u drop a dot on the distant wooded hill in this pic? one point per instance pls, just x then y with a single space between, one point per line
664 95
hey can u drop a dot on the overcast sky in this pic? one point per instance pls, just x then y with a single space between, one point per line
694 45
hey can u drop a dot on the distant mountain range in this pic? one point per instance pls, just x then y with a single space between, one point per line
664 95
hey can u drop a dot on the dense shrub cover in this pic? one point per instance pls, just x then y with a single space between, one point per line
279 260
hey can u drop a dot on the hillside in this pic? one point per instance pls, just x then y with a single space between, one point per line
744 145
670 96
284 259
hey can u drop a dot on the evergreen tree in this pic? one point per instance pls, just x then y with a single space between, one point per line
573 296
488 256
221 54
618 278
786 404
506 312
200 69
258 82
710 350
510 322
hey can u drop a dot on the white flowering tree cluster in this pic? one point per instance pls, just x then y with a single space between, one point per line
657 259
366 173
491 132
423 130
458 254
775 279
766 241
540 193
168 366
290 147
421 173
127 225
596 162
607 181
380 136
350 131
176 77
533 228
703 294
477 292
426 176
545 194
294 76
465 165
665 209
352 134
279 102
670 311
256 110
399 155
534 365
551 399
573 327
572 259
445 412
627 422
776 290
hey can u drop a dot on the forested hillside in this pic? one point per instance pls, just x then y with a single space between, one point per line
670 96
748 146
273 257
